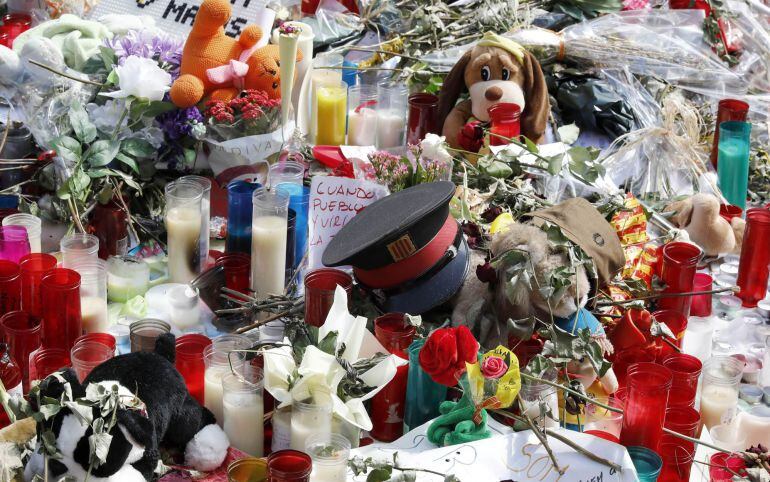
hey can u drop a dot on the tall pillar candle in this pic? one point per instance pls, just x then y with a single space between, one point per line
326 72
680 261
10 287
728 110
753 269
243 411
288 38
33 267
648 386
268 243
219 357
305 47
183 225
109 223
239 213
204 240
733 161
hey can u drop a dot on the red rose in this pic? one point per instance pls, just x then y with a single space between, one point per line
445 353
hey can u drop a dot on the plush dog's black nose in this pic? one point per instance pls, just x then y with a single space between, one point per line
493 93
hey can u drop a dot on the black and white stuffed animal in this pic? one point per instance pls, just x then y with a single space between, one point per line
174 421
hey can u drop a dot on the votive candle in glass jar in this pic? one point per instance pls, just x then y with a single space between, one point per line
325 73
685 370
184 222
62 316
14 243
22 333
281 429
423 117
299 202
184 301
599 418
86 356
701 304
753 269
45 361
391 114
204 240
685 421
105 339
677 460
724 466
32 224
189 362
109 223
505 123
250 469
243 411
624 359
289 466
144 334
728 110
362 115
728 437
10 286
719 393
287 172
127 277
330 453
676 321
648 386
733 161
239 216
331 111
93 294
320 285
423 395
680 261
647 463
237 267
308 419
33 267
78 246
220 358
268 243
388 404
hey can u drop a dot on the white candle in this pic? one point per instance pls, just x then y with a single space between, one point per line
268 255
390 129
244 426
308 419
755 428
330 453
331 472
362 127
212 391
185 310
184 228
715 402
93 310
281 429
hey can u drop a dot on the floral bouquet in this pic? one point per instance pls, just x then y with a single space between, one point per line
428 161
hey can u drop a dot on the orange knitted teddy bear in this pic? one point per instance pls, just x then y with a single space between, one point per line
215 66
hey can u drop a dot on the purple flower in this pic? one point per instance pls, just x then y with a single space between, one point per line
161 47
179 123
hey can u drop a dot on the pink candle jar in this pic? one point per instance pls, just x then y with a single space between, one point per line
680 261
753 269
504 123
723 466
685 370
647 386
320 285
190 363
14 243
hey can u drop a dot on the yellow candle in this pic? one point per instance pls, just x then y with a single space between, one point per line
331 105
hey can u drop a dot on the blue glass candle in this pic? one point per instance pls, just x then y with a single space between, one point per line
239 216
299 200
423 395
733 161
646 462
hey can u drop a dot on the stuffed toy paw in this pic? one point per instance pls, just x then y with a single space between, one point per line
455 425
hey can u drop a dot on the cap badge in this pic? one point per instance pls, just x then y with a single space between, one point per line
401 248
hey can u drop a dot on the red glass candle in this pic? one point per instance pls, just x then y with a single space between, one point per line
189 362
677 323
525 350
33 267
677 460
320 285
729 110
309 6
755 257
423 117
109 223
723 466
10 286
45 361
104 338
87 355
685 421
728 212
505 121
22 333
701 304
680 260
15 24
237 268
388 405
685 370
289 466
625 359
62 322
647 388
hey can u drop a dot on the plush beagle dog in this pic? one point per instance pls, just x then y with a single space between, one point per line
496 70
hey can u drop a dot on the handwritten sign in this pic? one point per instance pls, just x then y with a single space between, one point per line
333 203
176 16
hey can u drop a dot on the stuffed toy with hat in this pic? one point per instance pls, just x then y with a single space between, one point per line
699 216
155 412
215 66
496 70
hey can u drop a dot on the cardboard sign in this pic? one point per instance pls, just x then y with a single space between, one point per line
333 203
176 16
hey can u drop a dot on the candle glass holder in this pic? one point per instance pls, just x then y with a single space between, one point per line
362 115
728 437
701 304
10 286
32 224
88 355
728 110
250 469
93 294
648 386
204 240
326 72
535 396
299 202
625 359
423 395
45 361
220 359
105 339
109 223
291 234
268 243
719 391
184 223
680 261
144 333
78 246
505 123
62 316
388 404
677 323
281 439
33 267
127 278
184 301
320 285
289 466
733 161
392 100
287 172
331 114
599 418
308 419
243 411
22 334
423 117
685 421
724 466
728 212
237 267
189 362
697 338
330 453
239 213
647 463
685 370
14 243
753 269
677 460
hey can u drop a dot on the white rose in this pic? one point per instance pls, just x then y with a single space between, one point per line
434 148
141 78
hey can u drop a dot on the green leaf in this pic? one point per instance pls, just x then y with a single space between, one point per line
84 129
137 148
381 474
531 146
68 148
112 78
100 447
329 343
158 107
108 57
50 410
555 163
130 162
102 152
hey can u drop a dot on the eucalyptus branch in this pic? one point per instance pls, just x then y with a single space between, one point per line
733 289
58 72
581 450
543 439
384 52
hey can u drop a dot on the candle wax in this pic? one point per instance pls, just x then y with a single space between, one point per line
212 391
715 401
93 310
268 255
390 129
362 127
329 472
734 173
331 103
243 414
303 425
320 78
184 228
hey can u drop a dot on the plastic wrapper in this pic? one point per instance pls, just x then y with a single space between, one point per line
332 23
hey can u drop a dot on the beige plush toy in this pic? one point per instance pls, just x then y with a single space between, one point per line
699 216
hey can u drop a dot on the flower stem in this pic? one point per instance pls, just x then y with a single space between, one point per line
669 295
58 72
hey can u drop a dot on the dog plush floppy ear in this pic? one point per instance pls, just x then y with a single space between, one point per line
453 86
535 115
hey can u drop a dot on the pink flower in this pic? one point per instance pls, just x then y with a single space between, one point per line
493 367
